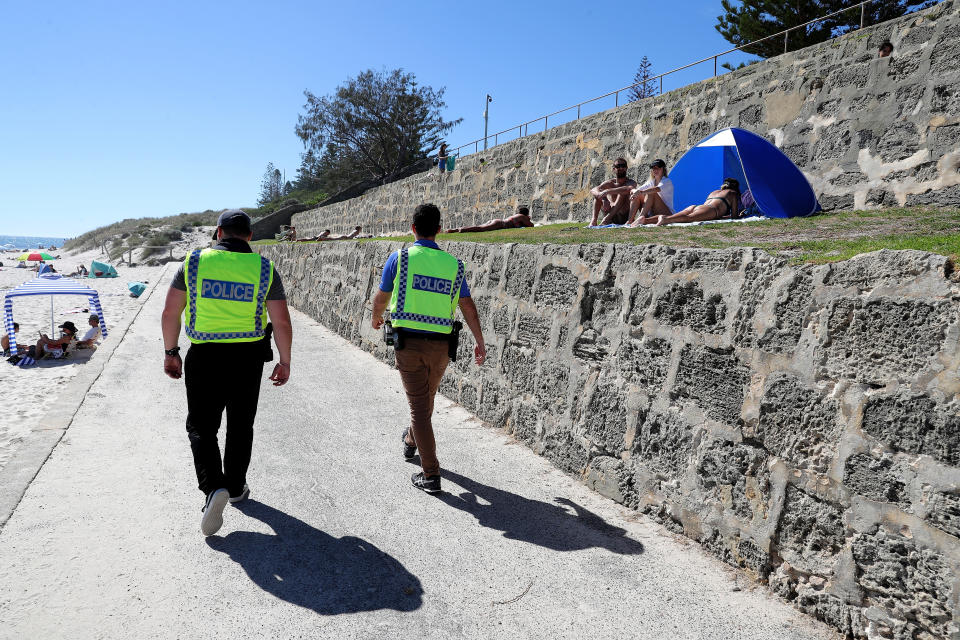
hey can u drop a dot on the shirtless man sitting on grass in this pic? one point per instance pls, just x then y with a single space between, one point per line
518 220
722 203
613 196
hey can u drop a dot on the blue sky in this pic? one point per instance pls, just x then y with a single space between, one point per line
112 110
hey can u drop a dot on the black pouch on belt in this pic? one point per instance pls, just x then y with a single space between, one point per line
399 339
265 343
453 341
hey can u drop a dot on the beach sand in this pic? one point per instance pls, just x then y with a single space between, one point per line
29 392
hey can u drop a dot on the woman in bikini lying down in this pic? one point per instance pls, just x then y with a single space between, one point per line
722 203
520 219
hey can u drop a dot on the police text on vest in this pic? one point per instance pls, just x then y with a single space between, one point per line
431 284
224 290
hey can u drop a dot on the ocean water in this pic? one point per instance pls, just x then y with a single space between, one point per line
29 242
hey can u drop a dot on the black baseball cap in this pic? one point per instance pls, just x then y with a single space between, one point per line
235 219
69 325
658 163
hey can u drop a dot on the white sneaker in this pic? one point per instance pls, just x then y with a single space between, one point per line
212 518
243 495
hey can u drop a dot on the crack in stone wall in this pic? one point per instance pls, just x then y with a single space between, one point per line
824 460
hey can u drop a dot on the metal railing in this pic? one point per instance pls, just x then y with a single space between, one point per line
524 129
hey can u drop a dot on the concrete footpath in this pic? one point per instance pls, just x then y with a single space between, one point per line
334 542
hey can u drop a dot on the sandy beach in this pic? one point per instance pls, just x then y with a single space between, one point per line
31 391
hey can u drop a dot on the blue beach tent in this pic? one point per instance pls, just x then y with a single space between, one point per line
777 185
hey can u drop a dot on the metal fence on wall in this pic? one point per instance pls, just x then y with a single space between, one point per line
523 129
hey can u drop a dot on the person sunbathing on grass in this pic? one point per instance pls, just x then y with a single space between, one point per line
326 236
517 221
722 203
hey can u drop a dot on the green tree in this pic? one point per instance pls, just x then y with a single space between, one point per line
372 127
745 21
643 86
271 186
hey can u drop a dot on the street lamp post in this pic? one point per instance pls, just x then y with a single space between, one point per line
486 118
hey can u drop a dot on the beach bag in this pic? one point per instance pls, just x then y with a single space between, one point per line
748 206
136 288
451 162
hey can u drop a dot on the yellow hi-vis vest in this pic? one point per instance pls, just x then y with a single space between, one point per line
426 289
226 294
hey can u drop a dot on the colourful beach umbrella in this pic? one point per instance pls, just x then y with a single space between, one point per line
36 256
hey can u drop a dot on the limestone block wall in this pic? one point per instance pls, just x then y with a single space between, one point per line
800 422
866 132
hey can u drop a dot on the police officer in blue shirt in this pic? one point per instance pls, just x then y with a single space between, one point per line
424 286
226 295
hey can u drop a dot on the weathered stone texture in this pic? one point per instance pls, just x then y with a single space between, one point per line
791 313
737 476
715 379
684 304
798 424
644 362
913 583
605 417
811 531
883 339
664 444
875 479
557 287
915 424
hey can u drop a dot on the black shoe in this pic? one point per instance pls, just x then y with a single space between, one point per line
409 450
430 484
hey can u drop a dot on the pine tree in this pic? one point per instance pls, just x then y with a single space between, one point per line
271 186
745 21
643 86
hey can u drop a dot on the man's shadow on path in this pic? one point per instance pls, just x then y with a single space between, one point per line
541 523
310 568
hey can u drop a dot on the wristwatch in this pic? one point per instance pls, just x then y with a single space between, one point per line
172 352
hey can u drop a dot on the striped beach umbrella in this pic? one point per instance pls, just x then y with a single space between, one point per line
49 285
36 255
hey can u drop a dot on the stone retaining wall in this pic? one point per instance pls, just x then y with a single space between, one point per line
800 422
866 132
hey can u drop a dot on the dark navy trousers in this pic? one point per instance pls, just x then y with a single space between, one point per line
218 377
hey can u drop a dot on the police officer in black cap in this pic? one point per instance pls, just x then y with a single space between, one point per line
226 295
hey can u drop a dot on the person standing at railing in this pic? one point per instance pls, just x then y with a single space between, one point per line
442 157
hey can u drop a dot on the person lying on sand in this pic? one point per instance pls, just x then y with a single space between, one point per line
722 203
517 221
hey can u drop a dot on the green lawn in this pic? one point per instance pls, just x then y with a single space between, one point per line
818 239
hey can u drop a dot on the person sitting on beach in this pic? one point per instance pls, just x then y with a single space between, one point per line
517 221
57 348
5 341
613 196
722 203
90 337
654 197
80 271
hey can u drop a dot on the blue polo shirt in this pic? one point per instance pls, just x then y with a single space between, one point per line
390 274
